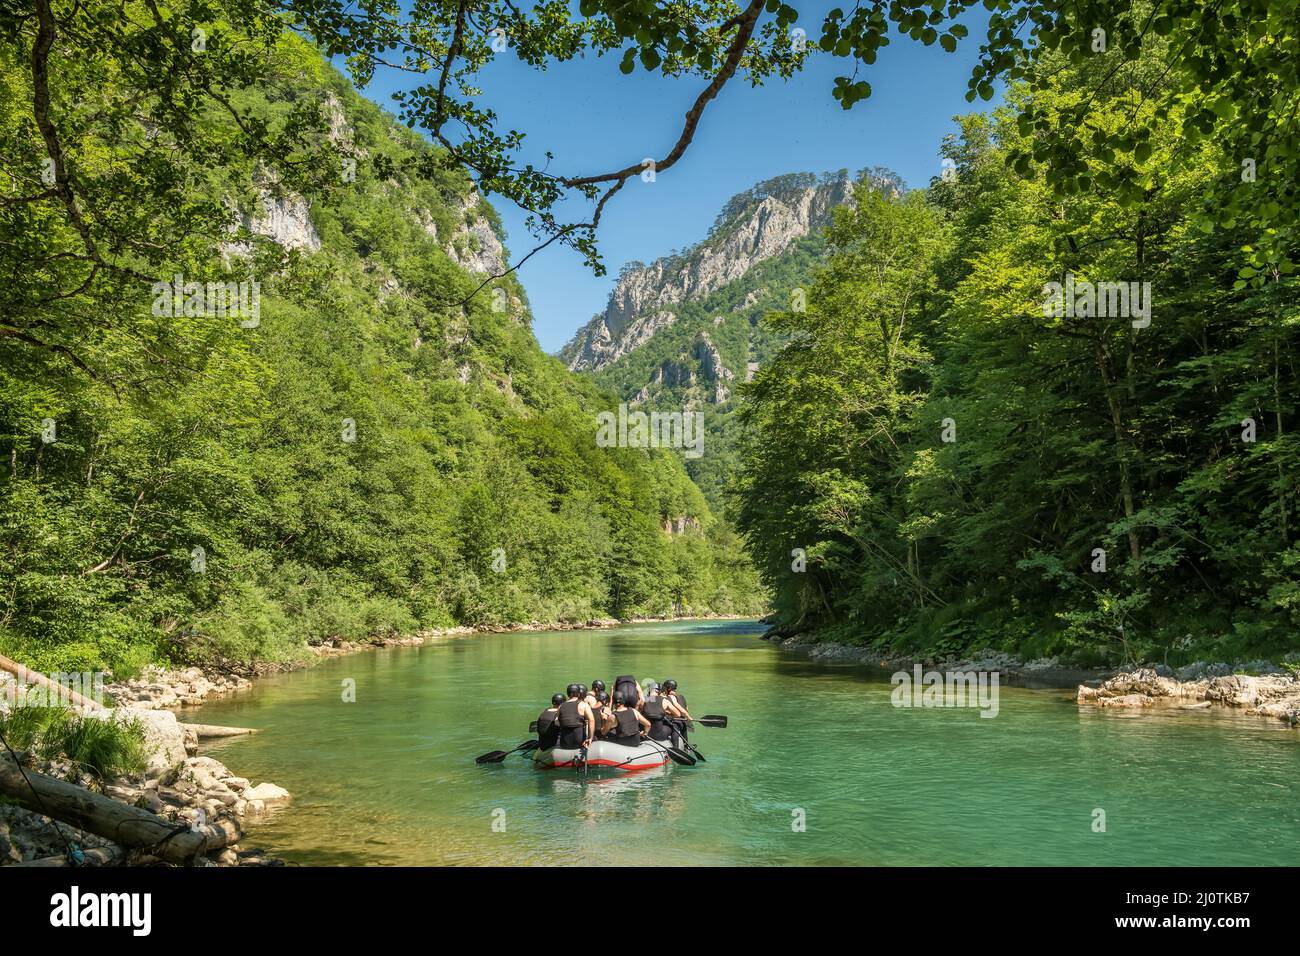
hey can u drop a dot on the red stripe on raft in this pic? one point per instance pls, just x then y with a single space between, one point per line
605 763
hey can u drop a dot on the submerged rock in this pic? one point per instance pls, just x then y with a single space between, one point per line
266 793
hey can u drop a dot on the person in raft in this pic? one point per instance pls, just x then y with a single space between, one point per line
600 709
592 697
657 709
548 730
629 724
630 689
679 701
577 723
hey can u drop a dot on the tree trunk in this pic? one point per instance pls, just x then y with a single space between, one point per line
61 693
97 856
1122 448
103 816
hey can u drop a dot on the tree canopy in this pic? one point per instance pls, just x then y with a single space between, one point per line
943 456
1229 78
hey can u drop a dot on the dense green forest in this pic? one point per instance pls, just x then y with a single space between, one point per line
933 457
964 466
346 463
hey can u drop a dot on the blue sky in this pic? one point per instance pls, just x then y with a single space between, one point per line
595 119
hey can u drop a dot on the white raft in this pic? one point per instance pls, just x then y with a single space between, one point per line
606 755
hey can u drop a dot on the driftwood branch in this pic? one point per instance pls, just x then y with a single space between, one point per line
212 731
61 693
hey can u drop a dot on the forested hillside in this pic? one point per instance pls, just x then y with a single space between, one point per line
372 450
946 457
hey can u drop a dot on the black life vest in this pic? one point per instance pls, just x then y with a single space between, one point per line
573 726
628 687
654 712
548 731
628 730
680 701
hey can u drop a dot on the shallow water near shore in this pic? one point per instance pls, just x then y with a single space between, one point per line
391 778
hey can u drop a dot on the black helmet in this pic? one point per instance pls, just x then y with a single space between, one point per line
670 684
582 690
602 697
572 690
619 699
598 684
557 700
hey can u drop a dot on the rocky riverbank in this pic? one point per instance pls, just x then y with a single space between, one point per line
159 688
197 789
1039 672
1265 695
178 785
1259 688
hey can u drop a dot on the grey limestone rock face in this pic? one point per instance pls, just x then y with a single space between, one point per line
641 302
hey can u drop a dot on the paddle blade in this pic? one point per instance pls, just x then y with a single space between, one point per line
496 756
712 720
680 758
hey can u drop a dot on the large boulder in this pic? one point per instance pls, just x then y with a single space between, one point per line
164 736
1238 690
1287 709
1143 681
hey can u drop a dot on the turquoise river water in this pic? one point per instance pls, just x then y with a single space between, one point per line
816 767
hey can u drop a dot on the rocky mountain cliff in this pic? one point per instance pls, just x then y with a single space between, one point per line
753 227
683 332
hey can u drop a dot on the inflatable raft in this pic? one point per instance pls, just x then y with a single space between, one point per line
606 755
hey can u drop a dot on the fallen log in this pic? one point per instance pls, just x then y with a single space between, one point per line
62 693
106 817
208 731
95 856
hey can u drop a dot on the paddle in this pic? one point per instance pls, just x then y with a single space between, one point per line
690 747
496 756
685 760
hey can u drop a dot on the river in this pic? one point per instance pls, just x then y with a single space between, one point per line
816 767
